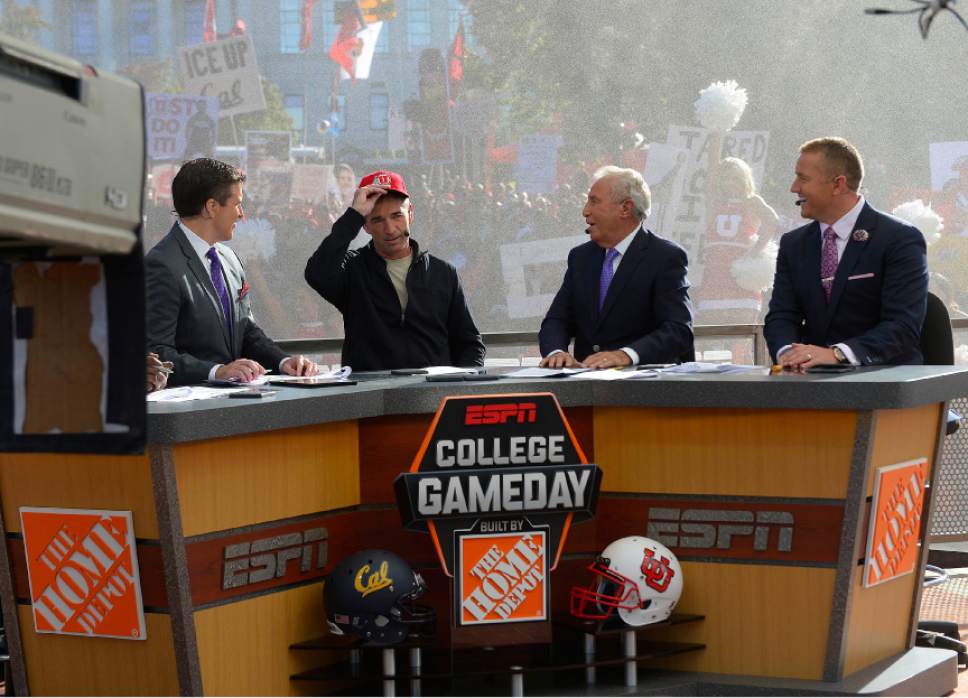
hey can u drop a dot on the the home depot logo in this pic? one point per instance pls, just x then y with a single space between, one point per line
83 572
895 525
502 578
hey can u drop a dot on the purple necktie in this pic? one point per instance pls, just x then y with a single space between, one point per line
606 278
218 280
828 260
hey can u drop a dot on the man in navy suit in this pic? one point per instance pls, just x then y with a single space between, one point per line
850 287
198 307
625 297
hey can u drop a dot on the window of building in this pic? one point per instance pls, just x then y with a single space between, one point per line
141 39
84 28
383 41
194 16
418 24
379 111
295 106
329 24
290 25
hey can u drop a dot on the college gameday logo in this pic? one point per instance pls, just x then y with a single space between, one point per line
497 483
895 523
82 568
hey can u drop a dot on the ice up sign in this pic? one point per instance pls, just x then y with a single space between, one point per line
83 571
497 484
225 69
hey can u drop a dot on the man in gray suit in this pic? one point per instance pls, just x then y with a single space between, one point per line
199 316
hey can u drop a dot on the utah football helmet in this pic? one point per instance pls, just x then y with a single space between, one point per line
636 577
372 593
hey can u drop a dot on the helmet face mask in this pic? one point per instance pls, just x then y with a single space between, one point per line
372 594
636 579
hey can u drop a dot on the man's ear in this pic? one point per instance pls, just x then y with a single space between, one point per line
209 208
411 212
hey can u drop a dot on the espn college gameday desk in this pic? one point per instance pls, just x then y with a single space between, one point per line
761 485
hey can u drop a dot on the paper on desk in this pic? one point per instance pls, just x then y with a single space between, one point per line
444 370
191 392
614 374
338 373
706 367
535 372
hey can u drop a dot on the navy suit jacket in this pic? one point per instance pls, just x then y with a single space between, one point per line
878 300
184 322
646 308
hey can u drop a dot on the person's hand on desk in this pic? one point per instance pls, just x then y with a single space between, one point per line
803 356
241 370
156 373
608 359
560 359
299 366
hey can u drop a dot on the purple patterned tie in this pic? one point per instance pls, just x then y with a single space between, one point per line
828 260
218 280
606 278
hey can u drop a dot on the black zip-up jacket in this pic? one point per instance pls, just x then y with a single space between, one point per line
436 329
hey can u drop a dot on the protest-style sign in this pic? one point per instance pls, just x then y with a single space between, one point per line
224 69
180 127
311 183
537 167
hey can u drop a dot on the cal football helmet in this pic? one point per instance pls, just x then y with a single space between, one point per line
372 593
636 577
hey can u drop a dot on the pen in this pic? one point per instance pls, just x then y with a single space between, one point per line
167 368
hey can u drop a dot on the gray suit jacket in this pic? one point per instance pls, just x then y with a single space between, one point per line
184 320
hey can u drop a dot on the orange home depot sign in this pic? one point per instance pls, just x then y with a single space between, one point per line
83 572
895 524
502 578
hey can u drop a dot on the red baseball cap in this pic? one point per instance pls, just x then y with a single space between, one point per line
390 180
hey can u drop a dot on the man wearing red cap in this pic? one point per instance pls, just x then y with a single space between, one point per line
402 307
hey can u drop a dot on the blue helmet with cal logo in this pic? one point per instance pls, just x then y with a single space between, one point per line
372 593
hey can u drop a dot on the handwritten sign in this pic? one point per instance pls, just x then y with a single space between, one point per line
180 127
226 70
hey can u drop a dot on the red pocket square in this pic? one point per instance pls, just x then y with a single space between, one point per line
244 291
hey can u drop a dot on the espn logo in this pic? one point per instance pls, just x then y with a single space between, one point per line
268 558
501 413
716 529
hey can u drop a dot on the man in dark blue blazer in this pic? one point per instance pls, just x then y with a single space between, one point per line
625 297
850 287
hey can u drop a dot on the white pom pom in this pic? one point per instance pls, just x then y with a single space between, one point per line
756 273
961 355
721 105
921 217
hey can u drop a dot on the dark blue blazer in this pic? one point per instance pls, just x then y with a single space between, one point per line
878 300
184 316
647 306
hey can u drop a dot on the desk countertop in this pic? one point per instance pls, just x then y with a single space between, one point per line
378 394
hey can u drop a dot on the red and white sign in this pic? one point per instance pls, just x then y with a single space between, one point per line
502 578
895 524
82 566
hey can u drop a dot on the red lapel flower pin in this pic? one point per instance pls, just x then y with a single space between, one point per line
244 291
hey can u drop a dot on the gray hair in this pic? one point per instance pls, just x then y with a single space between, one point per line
627 184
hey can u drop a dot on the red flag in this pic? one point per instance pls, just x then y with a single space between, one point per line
306 38
456 68
346 45
208 34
